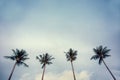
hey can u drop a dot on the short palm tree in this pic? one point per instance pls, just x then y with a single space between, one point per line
101 53
71 56
19 56
44 59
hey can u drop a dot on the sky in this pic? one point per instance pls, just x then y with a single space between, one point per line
55 26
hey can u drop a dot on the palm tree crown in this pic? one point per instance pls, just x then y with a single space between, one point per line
45 59
19 56
71 55
100 53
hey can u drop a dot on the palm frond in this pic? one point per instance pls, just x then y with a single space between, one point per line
14 52
10 57
25 64
37 57
49 63
100 61
100 48
43 65
106 55
24 58
22 63
17 51
95 57
96 51
106 51
41 56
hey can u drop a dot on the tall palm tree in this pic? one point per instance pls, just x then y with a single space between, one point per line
19 56
44 59
101 53
71 56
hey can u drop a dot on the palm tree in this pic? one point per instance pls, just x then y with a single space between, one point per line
101 53
71 56
44 59
19 56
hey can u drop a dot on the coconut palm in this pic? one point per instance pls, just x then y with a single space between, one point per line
71 56
19 56
101 53
44 59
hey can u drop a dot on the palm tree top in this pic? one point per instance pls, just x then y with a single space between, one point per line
45 59
19 56
71 55
100 53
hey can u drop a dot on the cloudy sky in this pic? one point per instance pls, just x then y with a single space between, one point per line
54 26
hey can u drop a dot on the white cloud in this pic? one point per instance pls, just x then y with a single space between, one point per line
66 75
84 75
25 76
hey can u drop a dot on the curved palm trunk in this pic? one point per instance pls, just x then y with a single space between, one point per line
12 71
109 70
73 71
43 72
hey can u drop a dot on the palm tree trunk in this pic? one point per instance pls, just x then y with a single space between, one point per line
73 71
43 72
12 71
109 70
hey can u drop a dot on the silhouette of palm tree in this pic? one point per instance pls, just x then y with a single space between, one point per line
101 53
19 56
44 59
71 56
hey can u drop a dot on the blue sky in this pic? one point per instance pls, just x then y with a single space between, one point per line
54 26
